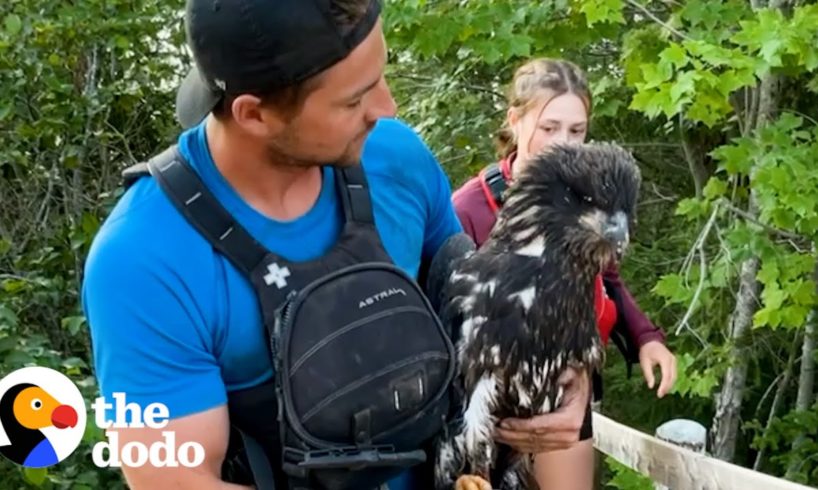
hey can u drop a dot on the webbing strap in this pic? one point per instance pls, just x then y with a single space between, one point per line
259 464
187 191
354 192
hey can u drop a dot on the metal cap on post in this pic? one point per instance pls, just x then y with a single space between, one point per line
685 433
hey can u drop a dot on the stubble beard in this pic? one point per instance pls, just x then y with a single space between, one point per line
349 157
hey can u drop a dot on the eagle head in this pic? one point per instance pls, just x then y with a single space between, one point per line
582 197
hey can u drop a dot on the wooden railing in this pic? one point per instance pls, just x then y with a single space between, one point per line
676 467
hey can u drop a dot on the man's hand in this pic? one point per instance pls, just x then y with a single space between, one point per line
553 431
650 355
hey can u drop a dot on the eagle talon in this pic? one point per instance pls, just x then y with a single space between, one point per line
471 482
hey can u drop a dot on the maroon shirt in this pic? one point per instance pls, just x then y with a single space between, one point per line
478 218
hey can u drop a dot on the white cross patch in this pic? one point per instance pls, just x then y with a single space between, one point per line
277 275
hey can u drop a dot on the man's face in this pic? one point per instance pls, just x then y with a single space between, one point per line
337 116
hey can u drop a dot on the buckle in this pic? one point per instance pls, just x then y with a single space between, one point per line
350 457
496 182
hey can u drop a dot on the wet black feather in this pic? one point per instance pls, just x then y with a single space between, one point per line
523 303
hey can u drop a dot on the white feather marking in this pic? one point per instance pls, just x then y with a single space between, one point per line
525 235
534 248
526 297
458 276
489 286
495 354
528 213
467 305
446 457
560 393
470 324
522 392
478 419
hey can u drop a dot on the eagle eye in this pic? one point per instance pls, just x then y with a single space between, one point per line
36 404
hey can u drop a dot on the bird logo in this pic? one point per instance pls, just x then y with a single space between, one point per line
42 417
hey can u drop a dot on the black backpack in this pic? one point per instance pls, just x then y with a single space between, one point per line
363 366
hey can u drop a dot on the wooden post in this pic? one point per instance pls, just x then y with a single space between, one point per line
685 433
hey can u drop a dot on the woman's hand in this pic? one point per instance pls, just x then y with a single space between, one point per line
650 355
553 431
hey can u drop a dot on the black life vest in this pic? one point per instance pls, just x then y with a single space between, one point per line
363 367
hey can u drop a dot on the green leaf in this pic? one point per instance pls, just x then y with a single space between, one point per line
7 316
690 381
803 292
74 324
655 74
18 358
691 208
676 55
671 288
769 273
715 188
773 297
794 316
13 25
625 478
6 109
601 11
7 344
736 158
35 476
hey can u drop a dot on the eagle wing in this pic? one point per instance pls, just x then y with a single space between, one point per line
488 299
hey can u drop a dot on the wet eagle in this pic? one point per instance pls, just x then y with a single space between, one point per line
522 306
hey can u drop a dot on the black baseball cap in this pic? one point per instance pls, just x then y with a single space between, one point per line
254 46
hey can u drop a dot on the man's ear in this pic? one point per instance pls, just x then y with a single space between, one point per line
250 115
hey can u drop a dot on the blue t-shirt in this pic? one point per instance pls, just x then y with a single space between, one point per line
172 321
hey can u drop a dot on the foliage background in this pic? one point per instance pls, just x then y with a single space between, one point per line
718 99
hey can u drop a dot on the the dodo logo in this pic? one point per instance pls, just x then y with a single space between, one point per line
42 417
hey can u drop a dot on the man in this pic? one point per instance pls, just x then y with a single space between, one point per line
280 91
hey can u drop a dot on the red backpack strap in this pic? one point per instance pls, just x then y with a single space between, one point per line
494 185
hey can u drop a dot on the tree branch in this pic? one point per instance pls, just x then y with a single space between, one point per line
749 217
421 78
698 246
659 21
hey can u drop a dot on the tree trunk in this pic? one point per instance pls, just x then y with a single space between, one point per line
728 403
783 382
694 163
806 379
805 386
729 400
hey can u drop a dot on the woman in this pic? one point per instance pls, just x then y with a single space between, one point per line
549 102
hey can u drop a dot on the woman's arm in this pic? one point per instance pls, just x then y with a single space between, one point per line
648 338
641 329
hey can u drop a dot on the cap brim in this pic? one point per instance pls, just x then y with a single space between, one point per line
194 100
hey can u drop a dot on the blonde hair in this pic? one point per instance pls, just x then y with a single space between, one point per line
537 79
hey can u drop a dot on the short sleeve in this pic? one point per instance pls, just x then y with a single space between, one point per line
442 220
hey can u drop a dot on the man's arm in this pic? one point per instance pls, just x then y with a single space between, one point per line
153 341
210 428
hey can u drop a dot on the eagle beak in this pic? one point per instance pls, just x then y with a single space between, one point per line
615 230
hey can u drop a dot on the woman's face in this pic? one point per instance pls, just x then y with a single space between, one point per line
563 120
